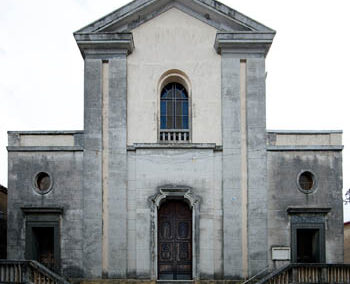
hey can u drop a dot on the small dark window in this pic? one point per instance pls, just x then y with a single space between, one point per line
308 246
306 181
43 246
174 107
42 182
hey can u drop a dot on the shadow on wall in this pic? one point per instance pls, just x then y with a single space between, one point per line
3 222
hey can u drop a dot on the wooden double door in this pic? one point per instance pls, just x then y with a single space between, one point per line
174 241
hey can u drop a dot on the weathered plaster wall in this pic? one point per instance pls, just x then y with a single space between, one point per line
148 171
47 140
244 164
302 138
174 40
283 169
105 168
3 221
65 167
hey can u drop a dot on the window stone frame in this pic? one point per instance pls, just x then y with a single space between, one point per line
308 218
315 182
43 217
34 183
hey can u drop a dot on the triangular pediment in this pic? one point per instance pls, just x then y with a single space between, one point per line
213 13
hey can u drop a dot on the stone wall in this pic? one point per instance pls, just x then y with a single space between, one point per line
240 181
174 41
285 163
150 171
64 165
3 221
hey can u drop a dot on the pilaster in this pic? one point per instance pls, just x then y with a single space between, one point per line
231 168
92 169
105 155
257 166
244 151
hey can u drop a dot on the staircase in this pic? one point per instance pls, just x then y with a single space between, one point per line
309 273
27 272
32 272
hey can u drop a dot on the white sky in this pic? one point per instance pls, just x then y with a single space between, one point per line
41 69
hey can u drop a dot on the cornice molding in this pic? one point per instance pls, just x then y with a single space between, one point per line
104 45
42 210
138 12
308 210
244 42
286 148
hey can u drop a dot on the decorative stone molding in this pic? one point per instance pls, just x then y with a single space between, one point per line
312 175
36 182
308 218
174 192
104 45
308 210
298 148
157 146
42 210
244 42
138 12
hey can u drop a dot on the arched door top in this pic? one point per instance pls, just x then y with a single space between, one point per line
175 192
169 193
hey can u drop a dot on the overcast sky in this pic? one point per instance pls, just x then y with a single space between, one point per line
41 69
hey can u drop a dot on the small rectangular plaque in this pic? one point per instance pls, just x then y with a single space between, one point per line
281 253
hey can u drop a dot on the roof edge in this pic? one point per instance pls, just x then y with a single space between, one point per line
118 13
136 6
234 14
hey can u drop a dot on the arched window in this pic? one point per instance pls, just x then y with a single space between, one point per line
174 107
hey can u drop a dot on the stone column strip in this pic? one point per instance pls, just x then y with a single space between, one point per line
244 166
105 158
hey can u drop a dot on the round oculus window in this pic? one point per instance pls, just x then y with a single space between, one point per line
307 181
42 182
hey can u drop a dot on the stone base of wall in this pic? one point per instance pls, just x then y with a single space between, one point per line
112 281
136 281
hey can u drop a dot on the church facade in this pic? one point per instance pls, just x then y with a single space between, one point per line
174 176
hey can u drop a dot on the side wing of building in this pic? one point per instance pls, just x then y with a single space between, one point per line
305 219
45 199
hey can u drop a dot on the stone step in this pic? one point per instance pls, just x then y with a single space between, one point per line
112 281
175 281
201 282
131 281
139 281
